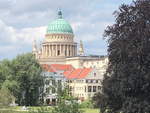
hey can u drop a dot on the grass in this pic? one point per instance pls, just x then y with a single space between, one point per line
91 110
12 111
16 110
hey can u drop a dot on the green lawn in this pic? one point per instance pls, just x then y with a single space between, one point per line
17 110
91 110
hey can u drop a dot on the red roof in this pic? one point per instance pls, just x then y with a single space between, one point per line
79 73
57 67
84 72
69 71
74 74
63 67
47 67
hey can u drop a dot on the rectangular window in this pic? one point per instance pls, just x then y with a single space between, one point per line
70 88
96 81
47 82
53 82
89 88
94 74
99 88
59 82
53 90
47 90
86 81
94 88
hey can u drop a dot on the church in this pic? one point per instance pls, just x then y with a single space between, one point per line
58 47
60 58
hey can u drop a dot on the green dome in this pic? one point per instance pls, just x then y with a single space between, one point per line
59 26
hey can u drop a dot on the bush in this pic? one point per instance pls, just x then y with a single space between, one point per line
6 98
86 104
70 107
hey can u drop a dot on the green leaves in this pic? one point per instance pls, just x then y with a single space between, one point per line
22 77
6 98
126 85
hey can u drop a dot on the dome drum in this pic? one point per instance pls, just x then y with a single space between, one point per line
59 38
57 49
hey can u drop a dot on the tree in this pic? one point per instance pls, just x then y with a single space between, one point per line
27 72
6 98
126 84
4 70
22 77
66 103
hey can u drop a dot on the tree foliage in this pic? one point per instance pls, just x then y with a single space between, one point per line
5 97
22 77
66 103
126 85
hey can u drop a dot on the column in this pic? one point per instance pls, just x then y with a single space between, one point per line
45 51
56 49
52 50
49 50
71 50
75 50
63 50
67 50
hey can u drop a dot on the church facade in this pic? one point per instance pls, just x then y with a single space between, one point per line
59 47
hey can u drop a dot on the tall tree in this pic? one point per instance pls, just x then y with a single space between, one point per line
27 72
5 70
22 77
126 85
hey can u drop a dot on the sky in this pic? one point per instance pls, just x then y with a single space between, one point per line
22 21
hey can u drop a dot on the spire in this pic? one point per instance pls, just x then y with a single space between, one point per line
40 48
81 49
34 47
59 13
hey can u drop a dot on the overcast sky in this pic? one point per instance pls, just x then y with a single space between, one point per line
21 21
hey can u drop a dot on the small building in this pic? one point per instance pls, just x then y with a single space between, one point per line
54 80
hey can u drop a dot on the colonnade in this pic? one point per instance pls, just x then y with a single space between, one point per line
54 50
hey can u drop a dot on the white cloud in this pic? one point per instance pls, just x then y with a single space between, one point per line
27 35
18 40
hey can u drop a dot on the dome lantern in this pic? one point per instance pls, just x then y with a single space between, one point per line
59 14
